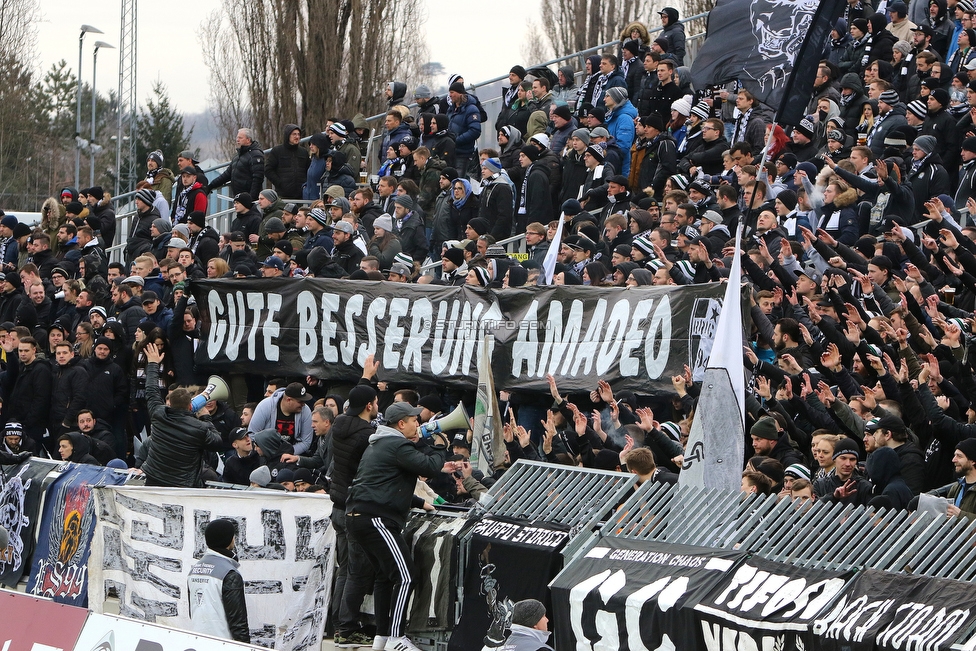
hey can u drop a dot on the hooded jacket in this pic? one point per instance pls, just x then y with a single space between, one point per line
341 174
245 171
179 439
107 389
350 437
265 415
399 93
315 173
675 35
884 472
27 390
287 165
81 450
851 109
388 472
496 206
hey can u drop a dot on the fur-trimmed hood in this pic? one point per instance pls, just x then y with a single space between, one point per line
846 198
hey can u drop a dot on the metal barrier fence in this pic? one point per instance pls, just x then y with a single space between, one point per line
817 535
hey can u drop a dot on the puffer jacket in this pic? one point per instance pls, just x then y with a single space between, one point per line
465 123
388 472
350 438
245 172
287 165
179 439
674 33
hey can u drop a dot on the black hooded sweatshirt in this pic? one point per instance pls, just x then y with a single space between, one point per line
287 165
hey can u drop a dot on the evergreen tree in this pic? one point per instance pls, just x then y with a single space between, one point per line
161 127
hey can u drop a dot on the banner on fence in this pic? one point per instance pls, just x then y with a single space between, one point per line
20 506
766 605
432 539
887 611
634 595
36 624
508 560
59 569
633 338
147 539
110 633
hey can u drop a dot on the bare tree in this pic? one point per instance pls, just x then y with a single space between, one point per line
535 47
575 25
305 61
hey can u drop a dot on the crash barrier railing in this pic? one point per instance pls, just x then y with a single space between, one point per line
818 535
574 498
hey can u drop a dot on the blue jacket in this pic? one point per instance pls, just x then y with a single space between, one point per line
615 80
621 127
316 170
393 138
465 124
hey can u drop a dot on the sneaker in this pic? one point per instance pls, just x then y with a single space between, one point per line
352 640
380 642
401 643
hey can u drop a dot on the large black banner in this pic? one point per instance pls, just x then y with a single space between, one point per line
508 560
634 595
766 605
762 43
897 612
634 338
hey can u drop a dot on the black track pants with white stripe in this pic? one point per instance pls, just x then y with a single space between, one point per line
382 540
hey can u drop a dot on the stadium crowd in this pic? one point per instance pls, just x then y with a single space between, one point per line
863 273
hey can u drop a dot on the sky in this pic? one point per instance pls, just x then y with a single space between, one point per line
168 47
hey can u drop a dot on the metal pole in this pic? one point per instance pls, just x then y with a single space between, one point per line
98 45
81 40
85 29
91 143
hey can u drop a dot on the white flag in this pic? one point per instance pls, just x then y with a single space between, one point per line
549 263
488 442
716 443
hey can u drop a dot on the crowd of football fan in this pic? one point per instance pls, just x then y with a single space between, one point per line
862 267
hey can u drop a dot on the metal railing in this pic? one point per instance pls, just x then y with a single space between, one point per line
818 535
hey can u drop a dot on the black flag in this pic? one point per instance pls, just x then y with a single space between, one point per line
772 46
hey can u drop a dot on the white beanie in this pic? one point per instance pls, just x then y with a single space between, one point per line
682 105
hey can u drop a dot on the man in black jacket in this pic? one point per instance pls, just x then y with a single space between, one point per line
287 164
376 511
27 391
69 387
107 388
246 171
346 254
183 334
179 440
350 437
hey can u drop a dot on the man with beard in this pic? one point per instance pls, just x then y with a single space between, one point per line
963 492
788 340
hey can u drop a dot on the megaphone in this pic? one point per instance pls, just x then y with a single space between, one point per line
457 419
216 389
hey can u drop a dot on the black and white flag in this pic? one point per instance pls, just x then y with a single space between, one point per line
772 46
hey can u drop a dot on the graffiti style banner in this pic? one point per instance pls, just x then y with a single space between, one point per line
508 560
634 338
20 506
59 570
147 539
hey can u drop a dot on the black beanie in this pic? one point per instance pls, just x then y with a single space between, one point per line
104 340
519 71
967 447
456 256
531 152
788 197
220 533
846 446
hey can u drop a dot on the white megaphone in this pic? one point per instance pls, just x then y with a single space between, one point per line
457 419
216 389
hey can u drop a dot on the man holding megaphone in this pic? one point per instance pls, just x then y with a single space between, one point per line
377 507
179 440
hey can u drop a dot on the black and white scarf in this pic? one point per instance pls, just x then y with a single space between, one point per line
601 81
868 40
740 127
525 187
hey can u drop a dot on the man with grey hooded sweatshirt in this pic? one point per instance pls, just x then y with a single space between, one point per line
377 507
